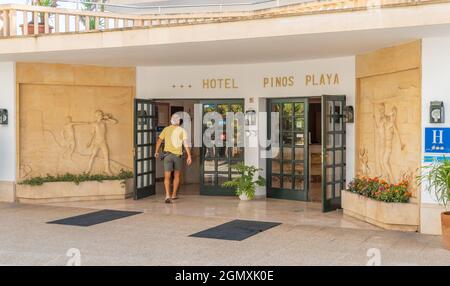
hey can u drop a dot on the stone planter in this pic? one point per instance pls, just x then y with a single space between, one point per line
393 216
70 192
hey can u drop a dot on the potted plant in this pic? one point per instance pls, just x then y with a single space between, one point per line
245 185
41 23
436 178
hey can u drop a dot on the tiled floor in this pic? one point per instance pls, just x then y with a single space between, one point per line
153 238
192 204
160 235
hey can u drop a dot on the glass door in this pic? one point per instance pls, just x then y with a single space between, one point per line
333 151
144 148
288 170
216 160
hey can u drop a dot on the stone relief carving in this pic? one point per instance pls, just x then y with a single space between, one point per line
98 139
409 175
25 170
68 145
58 124
386 131
379 119
364 161
68 135
391 131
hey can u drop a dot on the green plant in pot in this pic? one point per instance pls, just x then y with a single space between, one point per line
436 179
245 184
41 22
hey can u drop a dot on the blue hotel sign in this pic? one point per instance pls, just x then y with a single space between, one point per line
437 140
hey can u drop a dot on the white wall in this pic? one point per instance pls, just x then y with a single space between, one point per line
165 82
435 85
8 132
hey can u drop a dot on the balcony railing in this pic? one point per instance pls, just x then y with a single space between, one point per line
26 20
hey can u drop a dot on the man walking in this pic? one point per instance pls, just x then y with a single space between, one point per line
174 137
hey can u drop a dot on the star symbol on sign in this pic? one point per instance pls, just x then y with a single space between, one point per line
181 86
173 86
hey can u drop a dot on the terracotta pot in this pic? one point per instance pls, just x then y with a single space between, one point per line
445 221
41 28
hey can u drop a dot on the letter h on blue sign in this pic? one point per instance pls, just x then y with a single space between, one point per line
437 140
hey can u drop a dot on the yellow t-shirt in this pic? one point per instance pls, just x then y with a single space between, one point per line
173 137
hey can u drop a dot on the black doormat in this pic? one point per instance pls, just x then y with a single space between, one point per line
236 230
94 218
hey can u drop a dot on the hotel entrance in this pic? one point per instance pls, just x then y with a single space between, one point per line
309 164
217 160
211 165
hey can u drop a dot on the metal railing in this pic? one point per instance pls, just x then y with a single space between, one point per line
26 20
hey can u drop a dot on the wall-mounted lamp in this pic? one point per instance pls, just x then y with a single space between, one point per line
142 117
437 112
349 114
3 116
250 117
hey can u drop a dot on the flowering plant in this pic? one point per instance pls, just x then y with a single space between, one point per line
380 190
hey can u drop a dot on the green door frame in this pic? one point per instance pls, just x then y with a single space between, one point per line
331 196
285 193
215 189
144 148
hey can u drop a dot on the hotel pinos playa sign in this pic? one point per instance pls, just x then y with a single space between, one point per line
283 81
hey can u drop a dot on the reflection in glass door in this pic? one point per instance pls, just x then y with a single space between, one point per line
144 148
216 160
333 151
287 172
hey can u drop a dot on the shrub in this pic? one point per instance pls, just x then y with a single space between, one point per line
77 179
436 179
245 183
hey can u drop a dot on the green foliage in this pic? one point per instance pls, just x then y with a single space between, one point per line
245 184
89 6
45 3
436 179
380 190
77 179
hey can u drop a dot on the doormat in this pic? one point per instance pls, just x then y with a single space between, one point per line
94 218
236 230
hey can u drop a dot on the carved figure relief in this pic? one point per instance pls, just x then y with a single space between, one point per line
364 161
71 128
68 135
386 131
380 123
67 144
98 139
391 130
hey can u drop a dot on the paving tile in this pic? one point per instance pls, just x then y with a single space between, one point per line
154 238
